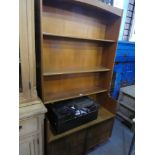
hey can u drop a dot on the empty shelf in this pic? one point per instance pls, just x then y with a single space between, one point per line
51 98
46 34
76 71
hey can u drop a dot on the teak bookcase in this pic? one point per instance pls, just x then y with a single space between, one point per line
76 42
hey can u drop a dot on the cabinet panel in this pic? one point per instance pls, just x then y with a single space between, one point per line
24 148
71 145
29 146
99 133
76 143
59 147
80 142
27 50
23 39
28 126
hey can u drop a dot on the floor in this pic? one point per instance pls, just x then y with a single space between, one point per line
118 144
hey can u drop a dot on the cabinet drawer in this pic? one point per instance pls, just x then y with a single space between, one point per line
28 126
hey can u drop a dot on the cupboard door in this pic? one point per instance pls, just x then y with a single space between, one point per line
29 146
99 133
26 148
59 147
28 126
76 143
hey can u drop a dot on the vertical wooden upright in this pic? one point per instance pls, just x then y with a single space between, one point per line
31 108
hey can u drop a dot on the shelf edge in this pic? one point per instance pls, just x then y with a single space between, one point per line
76 72
75 96
46 34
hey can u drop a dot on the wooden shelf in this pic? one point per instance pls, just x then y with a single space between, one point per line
45 34
100 5
103 115
97 5
74 94
76 71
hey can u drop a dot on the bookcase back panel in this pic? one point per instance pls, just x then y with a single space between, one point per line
108 58
79 55
72 22
55 86
104 99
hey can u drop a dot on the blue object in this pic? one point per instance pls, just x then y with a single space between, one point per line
124 69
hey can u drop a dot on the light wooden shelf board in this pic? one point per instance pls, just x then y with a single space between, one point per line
46 34
103 115
74 94
76 71
98 5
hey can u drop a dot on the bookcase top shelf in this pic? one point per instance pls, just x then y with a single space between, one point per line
76 71
49 35
99 5
95 4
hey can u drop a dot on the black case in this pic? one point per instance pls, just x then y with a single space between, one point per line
64 121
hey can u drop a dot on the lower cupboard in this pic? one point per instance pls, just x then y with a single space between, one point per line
80 142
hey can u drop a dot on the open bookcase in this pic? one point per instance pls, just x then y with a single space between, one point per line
76 42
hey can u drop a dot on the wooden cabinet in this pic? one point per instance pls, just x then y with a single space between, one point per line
79 142
31 129
27 83
31 109
75 47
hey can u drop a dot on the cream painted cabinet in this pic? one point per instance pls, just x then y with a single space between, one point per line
27 68
31 129
31 108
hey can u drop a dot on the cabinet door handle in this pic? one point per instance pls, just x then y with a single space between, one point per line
20 127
